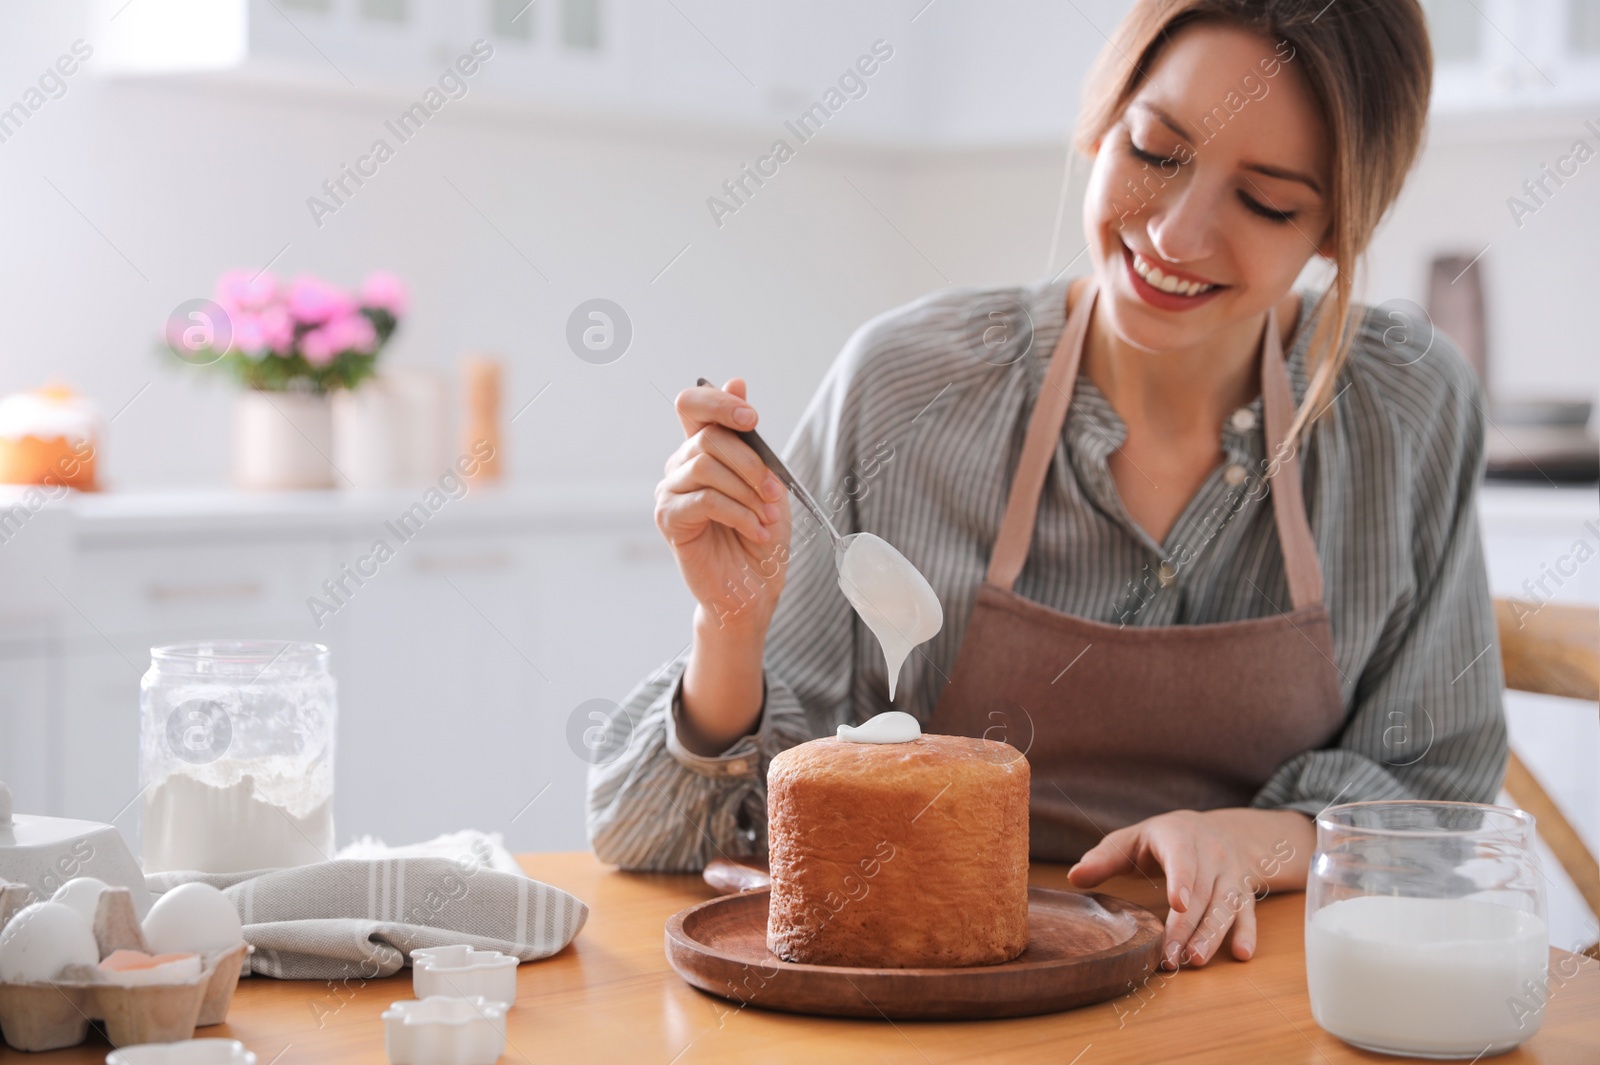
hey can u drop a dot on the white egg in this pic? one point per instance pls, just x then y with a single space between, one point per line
192 917
82 894
41 940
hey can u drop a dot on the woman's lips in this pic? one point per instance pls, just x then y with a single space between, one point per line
1168 301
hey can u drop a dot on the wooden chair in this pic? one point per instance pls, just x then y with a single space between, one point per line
1552 650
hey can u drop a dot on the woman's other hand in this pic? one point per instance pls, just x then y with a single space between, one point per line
724 513
1216 863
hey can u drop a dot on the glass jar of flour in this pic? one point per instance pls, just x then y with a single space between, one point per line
236 756
1425 928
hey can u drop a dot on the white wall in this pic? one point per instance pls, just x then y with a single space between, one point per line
178 182
168 186
1539 277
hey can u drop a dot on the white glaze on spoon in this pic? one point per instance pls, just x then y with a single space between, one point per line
891 726
892 597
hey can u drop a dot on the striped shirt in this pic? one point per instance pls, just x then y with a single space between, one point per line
913 435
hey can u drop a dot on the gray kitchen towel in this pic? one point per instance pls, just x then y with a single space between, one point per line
361 919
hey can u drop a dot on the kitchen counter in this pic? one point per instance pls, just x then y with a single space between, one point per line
610 996
192 513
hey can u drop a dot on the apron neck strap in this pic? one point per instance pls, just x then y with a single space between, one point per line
1039 446
1283 474
1050 415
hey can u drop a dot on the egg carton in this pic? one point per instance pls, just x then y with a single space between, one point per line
56 1013
14 897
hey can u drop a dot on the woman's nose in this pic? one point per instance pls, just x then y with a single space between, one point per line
1183 226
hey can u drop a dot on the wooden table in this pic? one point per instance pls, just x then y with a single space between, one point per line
610 997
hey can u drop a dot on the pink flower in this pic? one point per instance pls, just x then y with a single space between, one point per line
350 332
277 329
247 334
354 332
313 301
246 290
384 290
318 347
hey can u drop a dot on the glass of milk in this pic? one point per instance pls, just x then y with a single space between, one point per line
1425 928
236 756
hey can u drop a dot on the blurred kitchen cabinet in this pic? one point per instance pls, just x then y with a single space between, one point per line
1542 544
1456 29
198 586
463 661
98 762
440 672
461 654
1497 55
29 733
36 556
612 610
717 61
35 563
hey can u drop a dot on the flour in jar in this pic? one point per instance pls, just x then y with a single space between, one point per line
235 816
892 597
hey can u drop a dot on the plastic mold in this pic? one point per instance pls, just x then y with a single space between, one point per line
444 1031
461 972
192 1052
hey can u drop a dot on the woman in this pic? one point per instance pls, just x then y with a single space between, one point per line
1207 548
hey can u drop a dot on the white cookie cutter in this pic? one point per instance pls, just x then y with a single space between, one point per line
188 1052
444 1031
462 972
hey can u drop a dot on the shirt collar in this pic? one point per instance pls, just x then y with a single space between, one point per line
1103 431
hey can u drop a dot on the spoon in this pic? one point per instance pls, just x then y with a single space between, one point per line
891 595
770 457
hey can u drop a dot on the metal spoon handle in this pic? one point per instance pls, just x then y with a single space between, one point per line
775 464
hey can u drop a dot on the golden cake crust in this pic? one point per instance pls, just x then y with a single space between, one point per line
898 855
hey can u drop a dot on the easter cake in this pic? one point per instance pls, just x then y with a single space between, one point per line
894 849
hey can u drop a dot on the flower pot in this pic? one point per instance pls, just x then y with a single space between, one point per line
282 441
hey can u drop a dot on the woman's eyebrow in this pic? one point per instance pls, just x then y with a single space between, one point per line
1282 173
1166 120
1286 175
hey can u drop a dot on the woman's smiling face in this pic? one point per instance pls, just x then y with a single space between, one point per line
1217 174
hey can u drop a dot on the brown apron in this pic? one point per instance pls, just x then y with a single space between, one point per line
1120 723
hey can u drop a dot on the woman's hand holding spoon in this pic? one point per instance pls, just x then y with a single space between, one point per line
727 518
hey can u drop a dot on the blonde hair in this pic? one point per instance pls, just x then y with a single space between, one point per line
1370 68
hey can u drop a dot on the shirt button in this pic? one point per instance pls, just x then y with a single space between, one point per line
1166 574
1234 474
1244 419
737 766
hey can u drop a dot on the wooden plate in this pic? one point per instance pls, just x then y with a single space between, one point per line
1082 949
